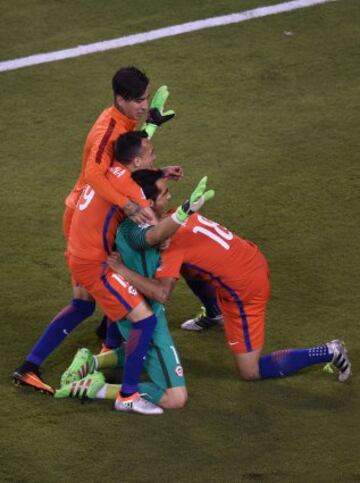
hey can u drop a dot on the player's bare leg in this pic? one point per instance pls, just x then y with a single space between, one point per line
81 293
174 398
248 365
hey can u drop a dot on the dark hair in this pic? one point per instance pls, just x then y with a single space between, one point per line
129 83
128 146
146 178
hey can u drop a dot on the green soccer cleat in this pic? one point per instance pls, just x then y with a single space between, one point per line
84 363
86 388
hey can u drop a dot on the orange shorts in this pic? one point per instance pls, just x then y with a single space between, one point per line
244 313
110 290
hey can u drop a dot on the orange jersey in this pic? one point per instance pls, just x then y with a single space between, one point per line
212 252
95 220
98 155
237 269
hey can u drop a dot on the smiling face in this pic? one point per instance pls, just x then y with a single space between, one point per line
134 108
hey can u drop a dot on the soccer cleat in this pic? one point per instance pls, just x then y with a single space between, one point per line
84 363
86 388
202 322
340 359
136 404
33 379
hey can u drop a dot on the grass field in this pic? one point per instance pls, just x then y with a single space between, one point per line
273 120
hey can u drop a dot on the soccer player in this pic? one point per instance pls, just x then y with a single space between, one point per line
240 274
91 238
131 94
167 387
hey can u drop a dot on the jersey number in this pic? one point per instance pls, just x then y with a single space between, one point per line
88 195
218 233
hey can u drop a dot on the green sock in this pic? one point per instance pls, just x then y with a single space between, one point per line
109 391
106 360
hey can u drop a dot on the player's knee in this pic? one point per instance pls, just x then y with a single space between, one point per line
248 365
175 398
248 376
249 373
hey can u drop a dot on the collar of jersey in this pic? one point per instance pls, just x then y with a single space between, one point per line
128 123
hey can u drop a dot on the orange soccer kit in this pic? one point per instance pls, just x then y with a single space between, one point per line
98 155
236 268
91 239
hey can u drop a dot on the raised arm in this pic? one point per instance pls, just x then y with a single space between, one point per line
99 159
169 225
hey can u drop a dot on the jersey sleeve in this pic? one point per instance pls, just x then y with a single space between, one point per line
171 260
99 158
135 235
128 188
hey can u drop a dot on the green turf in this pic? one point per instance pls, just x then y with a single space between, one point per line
273 120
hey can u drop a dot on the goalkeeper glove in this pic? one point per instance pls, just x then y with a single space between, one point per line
156 116
197 199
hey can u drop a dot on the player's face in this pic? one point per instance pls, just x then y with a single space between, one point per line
163 198
146 158
134 108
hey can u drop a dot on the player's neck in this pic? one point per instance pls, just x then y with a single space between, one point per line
121 110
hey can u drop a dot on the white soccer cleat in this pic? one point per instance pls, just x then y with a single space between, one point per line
136 404
340 359
202 322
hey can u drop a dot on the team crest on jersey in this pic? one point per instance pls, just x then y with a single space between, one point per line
179 371
132 290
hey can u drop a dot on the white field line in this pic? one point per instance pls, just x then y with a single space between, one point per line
157 34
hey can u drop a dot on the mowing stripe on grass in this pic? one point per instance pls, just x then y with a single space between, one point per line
141 38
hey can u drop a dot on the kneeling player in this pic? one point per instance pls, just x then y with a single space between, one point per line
239 272
138 248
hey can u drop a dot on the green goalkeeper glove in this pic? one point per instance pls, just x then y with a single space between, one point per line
156 116
197 199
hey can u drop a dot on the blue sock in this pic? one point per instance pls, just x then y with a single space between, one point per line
61 326
113 337
285 362
207 294
137 346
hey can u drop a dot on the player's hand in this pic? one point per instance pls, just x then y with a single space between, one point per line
197 199
115 262
139 215
174 173
164 244
156 116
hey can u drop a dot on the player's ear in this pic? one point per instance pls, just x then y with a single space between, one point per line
152 203
119 101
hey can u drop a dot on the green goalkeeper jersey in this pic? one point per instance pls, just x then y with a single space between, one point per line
162 362
137 254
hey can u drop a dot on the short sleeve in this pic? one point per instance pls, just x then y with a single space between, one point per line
171 260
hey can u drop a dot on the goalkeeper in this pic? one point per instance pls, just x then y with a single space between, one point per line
163 366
